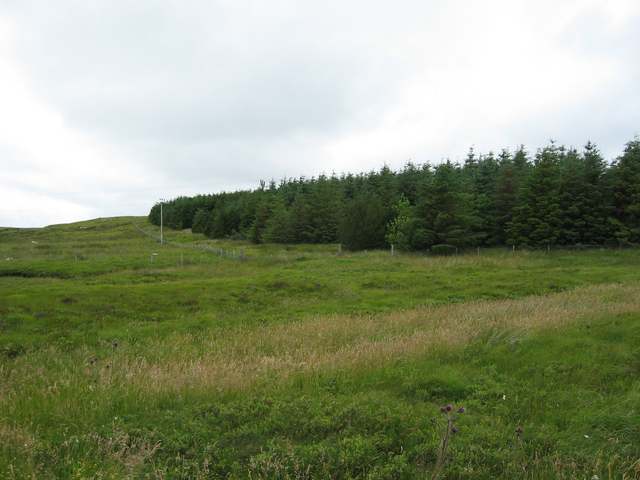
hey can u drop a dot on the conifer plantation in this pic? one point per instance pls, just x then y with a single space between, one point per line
558 196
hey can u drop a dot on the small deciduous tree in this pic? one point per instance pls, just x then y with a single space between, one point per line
399 229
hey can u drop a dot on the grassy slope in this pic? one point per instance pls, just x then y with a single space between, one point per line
300 362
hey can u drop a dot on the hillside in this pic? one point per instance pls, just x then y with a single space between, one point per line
201 358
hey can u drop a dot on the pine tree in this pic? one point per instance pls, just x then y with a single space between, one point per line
363 222
537 213
582 206
279 227
259 224
323 206
408 181
482 209
199 224
441 208
571 199
507 185
626 194
302 219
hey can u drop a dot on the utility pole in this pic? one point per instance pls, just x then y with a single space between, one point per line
161 222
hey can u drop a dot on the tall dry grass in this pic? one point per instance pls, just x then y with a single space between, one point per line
246 356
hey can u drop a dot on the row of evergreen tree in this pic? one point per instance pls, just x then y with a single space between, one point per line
559 197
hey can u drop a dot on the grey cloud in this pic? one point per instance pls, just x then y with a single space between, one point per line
146 72
211 95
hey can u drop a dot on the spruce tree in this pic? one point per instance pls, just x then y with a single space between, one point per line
279 227
626 194
482 208
571 199
259 224
507 185
596 203
323 209
441 208
537 214
363 222
200 221
216 227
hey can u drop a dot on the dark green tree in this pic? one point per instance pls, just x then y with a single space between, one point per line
598 204
537 214
441 208
200 221
280 227
363 222
483 226
259 224
582 204
626 194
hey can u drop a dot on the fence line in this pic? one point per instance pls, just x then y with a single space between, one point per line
221 252
239 254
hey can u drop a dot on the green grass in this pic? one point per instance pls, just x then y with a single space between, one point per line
303 362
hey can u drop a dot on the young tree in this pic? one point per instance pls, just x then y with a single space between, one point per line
399 229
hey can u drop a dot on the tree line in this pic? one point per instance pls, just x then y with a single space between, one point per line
558 196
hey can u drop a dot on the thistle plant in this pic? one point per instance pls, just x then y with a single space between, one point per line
451 415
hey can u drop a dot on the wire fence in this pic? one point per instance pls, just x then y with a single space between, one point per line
452 250
239 254
234 254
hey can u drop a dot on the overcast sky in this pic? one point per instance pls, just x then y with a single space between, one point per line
106 106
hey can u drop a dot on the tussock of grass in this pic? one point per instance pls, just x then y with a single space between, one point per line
16 436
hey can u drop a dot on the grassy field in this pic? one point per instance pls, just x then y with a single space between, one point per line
218 359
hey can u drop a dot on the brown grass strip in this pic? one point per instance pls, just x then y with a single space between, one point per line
244 357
